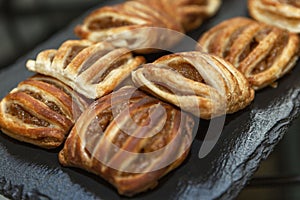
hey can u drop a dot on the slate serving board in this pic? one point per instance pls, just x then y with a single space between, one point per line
28 172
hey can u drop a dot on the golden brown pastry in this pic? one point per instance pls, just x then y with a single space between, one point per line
40 111
263 53
130 139
281 13
127 25
91 69
202 84
191 13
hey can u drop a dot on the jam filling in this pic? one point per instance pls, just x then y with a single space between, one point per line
253 44
154 143
50 104
273 54
162 138
74 52
162 86
186 70
197 2
108 22
120 138
237 33
54 107
157 142
104 119
19 112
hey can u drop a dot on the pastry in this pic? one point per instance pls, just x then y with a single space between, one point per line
40 111
191 13
131 25
281 13
91 69
202 84
130 139
263 53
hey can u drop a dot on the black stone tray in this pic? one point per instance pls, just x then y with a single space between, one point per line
28 172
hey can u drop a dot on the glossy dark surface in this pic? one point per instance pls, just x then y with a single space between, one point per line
248 137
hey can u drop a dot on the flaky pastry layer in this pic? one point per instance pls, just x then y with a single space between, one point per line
92 69
263 53
40 111
130 139
204 85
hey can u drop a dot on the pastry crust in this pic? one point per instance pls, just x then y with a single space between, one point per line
263 53
130 139
284 14
91 69
191 13
129 25
202 84
40 111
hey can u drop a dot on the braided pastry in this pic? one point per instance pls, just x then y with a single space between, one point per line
261 52
91 69
127 25
130 139
204 85
40 111
191 13
281 13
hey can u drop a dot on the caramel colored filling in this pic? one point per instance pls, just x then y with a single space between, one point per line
54 107
74 52
104 119
157 142
26 117
249 48
161 139
150 144
143 145
196 2
295 3
50 104
254 43
165 88
273 54
186 70
120 139
237 33
108 22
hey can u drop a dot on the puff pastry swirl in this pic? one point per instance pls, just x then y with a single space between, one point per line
130 139
281 13
127 25
91 69
202 84
40 111
263 53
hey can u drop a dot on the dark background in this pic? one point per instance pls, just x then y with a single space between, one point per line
26 23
